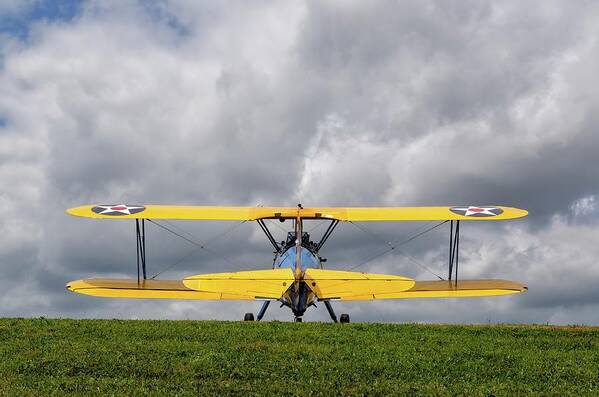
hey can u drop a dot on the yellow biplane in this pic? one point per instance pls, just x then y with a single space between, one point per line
297 278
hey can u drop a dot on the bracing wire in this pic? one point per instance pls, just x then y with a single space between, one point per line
210 240
276 224
180 229
199 245
393 246
402 242
319 224
313 228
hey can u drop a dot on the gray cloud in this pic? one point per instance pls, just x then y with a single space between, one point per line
336 103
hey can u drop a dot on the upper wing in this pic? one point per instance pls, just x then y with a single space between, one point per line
468 212
128 211
465 212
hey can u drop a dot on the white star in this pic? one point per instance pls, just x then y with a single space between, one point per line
121 208
472 210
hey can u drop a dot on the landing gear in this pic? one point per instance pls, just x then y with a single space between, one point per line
344 319
297 320
329 307
248 317
262 310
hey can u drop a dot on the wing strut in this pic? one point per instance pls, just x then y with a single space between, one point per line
454 247
268 235
141 248
327 234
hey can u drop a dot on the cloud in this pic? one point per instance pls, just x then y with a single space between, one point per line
584 206
337 103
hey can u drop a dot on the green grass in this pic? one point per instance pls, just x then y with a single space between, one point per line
115 357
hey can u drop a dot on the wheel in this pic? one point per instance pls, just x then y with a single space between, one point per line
248 317
344 319
297 319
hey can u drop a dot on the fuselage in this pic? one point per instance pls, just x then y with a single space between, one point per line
299 296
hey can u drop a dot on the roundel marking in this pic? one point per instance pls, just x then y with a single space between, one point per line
477 212
117 209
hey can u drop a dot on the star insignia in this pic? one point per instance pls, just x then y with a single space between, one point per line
476 211
118 209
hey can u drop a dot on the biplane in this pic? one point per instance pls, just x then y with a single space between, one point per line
297 278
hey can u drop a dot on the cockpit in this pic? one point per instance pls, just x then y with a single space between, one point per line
288 256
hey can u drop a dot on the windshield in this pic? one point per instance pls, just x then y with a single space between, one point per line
287 259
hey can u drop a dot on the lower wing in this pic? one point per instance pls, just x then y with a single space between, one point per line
272 284
148 289
338 284
250 285
332 284
459 289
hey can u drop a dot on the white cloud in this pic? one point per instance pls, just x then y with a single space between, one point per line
328 103
584 206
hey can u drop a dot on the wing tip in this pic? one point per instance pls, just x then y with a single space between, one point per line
520 213
507 214
82 211
75 285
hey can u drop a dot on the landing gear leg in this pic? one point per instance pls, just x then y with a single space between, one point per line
331 311
263 310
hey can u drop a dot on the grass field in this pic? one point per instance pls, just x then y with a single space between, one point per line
115 357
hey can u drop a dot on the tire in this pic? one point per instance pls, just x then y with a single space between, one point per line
248 317
297 320
344 319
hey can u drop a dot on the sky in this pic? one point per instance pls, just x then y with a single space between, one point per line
332 103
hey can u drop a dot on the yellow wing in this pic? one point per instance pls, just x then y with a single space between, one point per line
336 284
463 289
331 284
135 211
149 289
465 213
250 285
269 284
468 212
